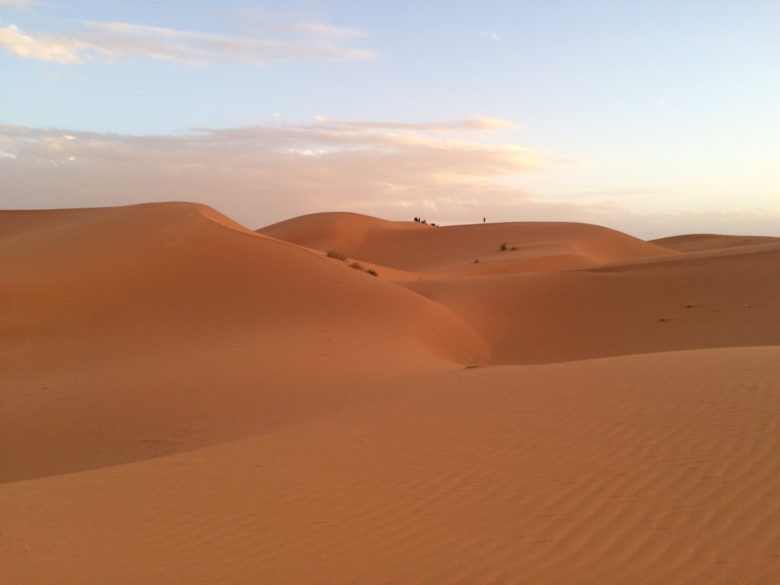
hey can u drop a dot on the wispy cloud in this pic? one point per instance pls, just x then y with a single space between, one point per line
319 29
448 172
18 3
476 123
491 35
264 173
116 40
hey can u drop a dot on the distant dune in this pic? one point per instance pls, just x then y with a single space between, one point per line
410 246
185 400
696 242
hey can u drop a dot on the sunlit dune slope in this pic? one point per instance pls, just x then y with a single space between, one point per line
464 249
706 300
124 329
642 470
696 242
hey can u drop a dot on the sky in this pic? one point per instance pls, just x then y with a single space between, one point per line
655 118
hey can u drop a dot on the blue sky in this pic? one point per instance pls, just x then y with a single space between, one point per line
654 117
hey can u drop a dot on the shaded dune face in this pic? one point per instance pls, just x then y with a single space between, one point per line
682 303
185 400
150 273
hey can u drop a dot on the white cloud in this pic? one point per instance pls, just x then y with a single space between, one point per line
264 173
42 47
18 3
115 40
447 172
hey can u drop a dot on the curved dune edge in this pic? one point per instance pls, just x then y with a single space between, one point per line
107 255
586 472
141 322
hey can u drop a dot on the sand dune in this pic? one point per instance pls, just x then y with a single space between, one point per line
185 400
128 326
696 242
670 304
421 248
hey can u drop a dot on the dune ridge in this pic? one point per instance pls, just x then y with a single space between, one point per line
186 400
425 249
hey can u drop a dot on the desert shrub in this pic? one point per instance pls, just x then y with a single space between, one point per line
372 272
356 266
336 254
473 362
504 247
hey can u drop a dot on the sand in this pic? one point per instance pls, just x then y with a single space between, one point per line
187 401
696 242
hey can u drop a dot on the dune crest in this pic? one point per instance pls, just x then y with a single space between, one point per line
466 249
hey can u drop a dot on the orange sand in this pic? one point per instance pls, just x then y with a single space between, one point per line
187 401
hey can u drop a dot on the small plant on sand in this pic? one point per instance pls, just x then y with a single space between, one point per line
504 247
336 254
473 362
356 266
372 272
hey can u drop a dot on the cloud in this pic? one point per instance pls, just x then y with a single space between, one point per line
43 47
318 29
491 35
264 173
18 3
455 172
109 41
476 123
